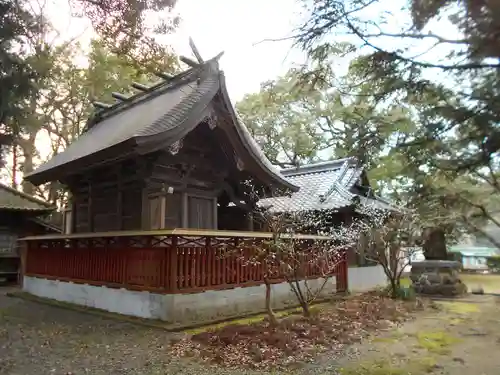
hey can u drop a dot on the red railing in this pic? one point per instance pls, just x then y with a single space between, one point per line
177 261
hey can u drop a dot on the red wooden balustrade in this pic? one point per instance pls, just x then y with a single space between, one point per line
175 261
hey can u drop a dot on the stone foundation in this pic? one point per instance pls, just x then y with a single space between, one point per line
208 305
177 308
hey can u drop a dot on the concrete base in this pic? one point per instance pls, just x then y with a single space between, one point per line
183 308
178 308
363 279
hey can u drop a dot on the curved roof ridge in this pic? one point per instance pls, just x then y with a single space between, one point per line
322 166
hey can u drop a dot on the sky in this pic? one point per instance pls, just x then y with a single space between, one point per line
234 27
238 28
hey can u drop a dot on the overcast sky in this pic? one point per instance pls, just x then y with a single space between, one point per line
235 27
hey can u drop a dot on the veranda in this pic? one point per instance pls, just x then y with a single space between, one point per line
172 275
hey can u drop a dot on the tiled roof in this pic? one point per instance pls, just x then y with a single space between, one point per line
165 112
326 185
478 251
12 199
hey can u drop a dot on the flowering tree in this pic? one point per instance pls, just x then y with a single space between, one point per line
298 258
389 239
290 255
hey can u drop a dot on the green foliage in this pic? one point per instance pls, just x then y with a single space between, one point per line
494 263
444 161
65 95
18 71
280 119
126 27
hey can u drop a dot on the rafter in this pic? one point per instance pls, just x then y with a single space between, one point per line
119 96
101 105
140 86
162 75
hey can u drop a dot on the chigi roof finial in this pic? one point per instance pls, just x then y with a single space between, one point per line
196 53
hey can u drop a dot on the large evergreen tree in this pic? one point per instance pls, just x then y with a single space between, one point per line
17 73
451 84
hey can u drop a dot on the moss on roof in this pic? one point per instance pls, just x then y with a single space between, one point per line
12 199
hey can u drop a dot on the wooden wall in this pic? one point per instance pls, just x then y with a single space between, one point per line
185 183
178 187
108 198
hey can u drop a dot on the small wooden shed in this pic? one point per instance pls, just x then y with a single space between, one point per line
20 215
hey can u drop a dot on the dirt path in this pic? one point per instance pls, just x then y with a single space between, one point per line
40 339
460 338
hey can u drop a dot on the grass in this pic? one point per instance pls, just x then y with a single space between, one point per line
395 336
436 342
489 282
459 308
422 365
254 319
405 282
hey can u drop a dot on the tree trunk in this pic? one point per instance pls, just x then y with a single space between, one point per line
29 150
394 289
269 310
435 244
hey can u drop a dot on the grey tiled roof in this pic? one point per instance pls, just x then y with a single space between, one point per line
168 110
12 199
326 185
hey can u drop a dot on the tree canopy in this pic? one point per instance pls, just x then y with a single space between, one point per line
419 109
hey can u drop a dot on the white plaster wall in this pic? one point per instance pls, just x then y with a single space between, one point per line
216 304
170 307
362 279
122 301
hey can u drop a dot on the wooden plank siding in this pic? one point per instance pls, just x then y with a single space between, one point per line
158 191
169 263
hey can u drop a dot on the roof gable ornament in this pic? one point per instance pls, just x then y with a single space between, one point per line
175 147
337 184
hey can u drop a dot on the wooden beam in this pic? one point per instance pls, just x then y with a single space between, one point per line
196 53
140 86
101 105
188 61
119 96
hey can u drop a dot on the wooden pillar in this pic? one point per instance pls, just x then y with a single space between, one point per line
73 215
250 221
172 264
90 211
119 198
185 212
23 254
215 224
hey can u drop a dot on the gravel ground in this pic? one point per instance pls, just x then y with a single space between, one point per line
37 339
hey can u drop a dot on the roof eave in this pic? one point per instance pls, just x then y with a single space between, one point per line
51 174
276 176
